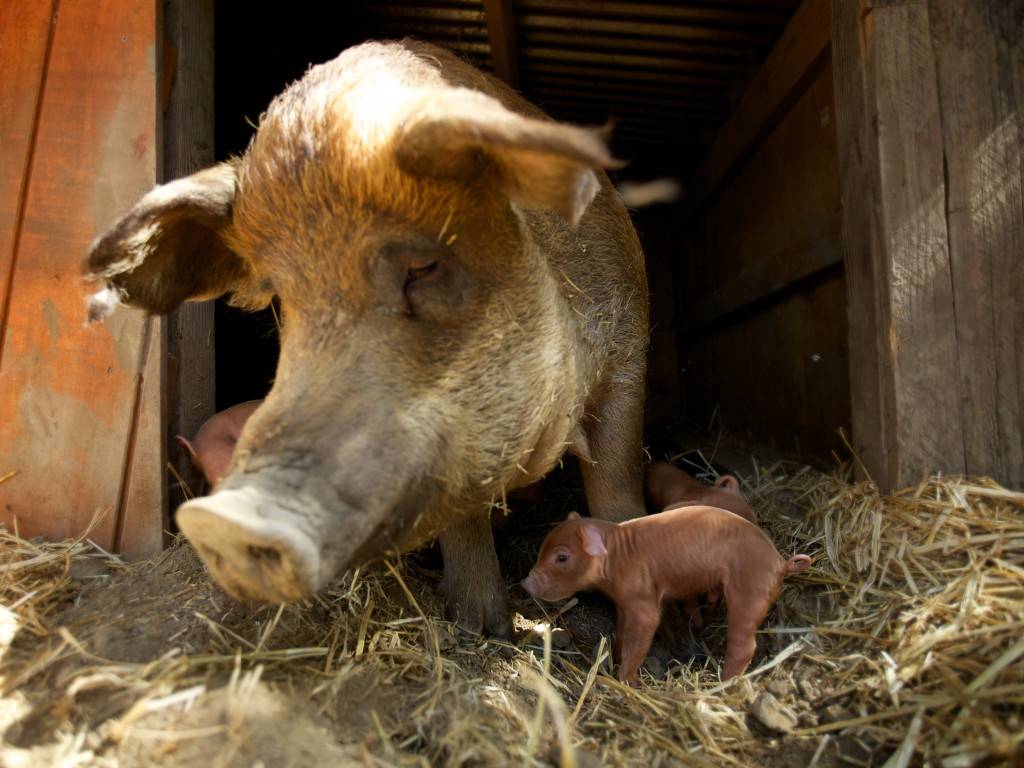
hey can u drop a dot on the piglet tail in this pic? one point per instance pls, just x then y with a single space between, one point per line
798 563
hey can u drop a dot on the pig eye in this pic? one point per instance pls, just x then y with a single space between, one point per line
562 558
418 273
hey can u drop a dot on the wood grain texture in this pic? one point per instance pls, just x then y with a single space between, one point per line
979 54
762 305
922 342
819 250
68 403
25 36
767 98
188 147
867 294
929 104
501 35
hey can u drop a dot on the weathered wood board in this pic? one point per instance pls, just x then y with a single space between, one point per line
929 100
762 317
188 147
80 407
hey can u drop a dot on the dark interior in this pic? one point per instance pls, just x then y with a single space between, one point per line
668 76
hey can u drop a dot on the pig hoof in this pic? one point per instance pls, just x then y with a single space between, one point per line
475 616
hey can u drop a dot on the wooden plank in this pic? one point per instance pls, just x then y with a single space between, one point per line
501 34
142 500
871 408
979 49
819 251
737 36
743 17
782 77
929 431
188 147
68 394
777 374
25 36
906 415
776 222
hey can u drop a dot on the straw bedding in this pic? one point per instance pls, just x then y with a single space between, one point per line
903 645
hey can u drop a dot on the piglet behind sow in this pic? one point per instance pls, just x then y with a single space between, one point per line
674 555
213 446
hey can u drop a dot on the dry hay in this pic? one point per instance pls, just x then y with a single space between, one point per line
903 643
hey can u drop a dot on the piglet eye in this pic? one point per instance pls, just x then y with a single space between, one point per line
562 558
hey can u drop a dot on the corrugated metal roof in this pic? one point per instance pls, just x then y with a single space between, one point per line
667 73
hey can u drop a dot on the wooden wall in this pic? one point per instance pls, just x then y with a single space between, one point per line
188 107
930 96
81 411
761 292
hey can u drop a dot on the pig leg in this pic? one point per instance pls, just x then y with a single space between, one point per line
475 592
611 465
637 623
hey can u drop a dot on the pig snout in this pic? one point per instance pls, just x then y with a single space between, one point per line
299 506
255 547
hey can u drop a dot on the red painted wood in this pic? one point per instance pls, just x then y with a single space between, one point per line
68 393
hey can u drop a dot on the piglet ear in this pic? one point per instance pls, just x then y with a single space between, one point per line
187 445
593 544
728 482
573 516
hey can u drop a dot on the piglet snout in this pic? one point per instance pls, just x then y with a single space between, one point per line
530 584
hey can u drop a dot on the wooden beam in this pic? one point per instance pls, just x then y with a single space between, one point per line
818 251
787 69
188 147
979 52
501 33
906 402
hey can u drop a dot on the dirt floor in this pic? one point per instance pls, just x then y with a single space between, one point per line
903 643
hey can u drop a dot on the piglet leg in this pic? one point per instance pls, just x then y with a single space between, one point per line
475 593
741 637
637 624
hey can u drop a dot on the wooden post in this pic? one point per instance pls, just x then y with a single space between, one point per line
188 147
501 34
928 102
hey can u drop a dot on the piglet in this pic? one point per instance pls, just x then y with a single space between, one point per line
214 444
643 563
667 486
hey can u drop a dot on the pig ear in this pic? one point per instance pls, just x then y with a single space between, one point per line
593 544
170 248
573 516
539 163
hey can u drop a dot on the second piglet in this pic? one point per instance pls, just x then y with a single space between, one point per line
677 554
666 486
214 444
